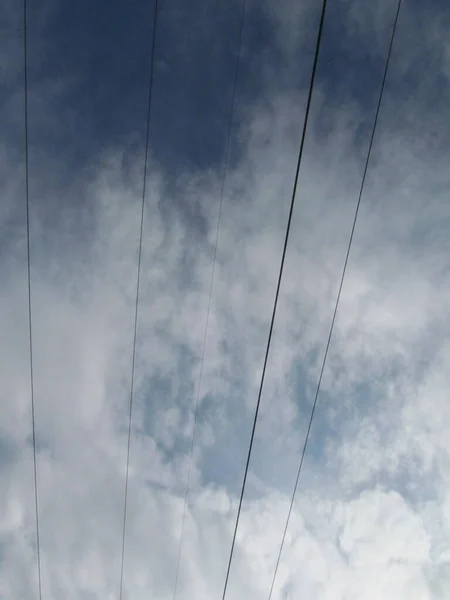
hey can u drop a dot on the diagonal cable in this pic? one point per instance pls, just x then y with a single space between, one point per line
224 175
288 228
377 112
152 61
30 339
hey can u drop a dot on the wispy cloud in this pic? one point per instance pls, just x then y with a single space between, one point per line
371 518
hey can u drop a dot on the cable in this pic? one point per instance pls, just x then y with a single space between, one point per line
288 227
339 294
155 16
225 169
33 421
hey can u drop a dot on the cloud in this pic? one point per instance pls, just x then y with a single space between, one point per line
372 517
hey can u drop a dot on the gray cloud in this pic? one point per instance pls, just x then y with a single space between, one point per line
371 519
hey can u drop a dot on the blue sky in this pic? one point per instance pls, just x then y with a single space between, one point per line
372 515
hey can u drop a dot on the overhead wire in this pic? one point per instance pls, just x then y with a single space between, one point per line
147 135
377 112
224 175
283 257
30 327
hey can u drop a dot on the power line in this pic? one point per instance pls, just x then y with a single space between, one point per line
339 293
30 339
155 16
225 169
288 227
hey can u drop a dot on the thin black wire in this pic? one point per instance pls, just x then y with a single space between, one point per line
33 421
155 16
288 227
339 294
224 175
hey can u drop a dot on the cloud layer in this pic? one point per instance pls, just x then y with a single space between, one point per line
372 513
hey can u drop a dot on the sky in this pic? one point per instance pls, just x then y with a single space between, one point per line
371 517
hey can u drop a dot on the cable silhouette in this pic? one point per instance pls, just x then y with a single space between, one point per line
288 228
224 174
377 112
155 17
30 338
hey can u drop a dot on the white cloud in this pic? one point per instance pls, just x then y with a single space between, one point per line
372 516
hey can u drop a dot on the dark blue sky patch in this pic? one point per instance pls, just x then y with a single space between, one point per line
104 51
196 57
349 69
89 75
97 61
107 53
